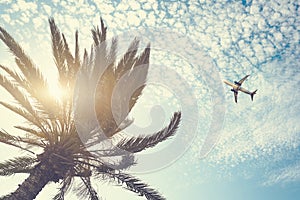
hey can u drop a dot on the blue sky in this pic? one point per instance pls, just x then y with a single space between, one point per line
257 151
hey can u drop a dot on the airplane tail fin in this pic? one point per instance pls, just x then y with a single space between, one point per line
252 94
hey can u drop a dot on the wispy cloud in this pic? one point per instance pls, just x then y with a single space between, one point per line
284 176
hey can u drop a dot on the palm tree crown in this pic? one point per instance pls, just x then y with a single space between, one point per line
51 121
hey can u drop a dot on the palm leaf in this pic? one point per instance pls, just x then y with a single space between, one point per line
31 131
17 94
26 110
135 185
28 117
122 162
137 144
77 56
65 186
99 36
19 79
15 141
112 55
66 64
143 63
132 71
37 86
11 140
17 165
85 189
27 67
58 49
126 63
126 161
67 54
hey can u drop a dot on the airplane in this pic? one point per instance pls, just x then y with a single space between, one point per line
236 86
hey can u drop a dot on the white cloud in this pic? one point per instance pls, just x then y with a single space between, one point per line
47 9
23 5
5 1
283 176
6 18
105 8
38 22
134 5
146 6
150 20
14 8
132 18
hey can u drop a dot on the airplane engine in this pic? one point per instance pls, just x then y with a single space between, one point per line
237 83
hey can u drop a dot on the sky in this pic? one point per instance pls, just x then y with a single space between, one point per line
223 150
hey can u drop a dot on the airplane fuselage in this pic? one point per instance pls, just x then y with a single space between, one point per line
237 87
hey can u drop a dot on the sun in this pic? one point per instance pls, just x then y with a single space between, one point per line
56 91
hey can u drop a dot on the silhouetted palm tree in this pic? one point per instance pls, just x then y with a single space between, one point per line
51 124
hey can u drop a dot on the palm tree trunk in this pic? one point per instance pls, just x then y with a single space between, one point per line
32 185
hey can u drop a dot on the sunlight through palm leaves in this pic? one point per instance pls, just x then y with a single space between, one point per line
51 125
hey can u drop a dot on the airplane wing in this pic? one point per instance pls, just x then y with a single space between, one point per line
243 79
228 83
235 96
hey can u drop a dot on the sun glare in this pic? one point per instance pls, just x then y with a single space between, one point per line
54 87
56 91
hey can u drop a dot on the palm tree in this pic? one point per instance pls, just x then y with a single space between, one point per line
51 127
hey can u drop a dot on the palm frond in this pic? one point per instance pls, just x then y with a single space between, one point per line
126 63
17 165
144 57
26 110
112 55
67 54
31 131
17 94
126 161
66 64
137 144
109 115
99 35
28 68
27 116
143 64
58 49
18 78
132 183
135 185
15 141
65 186
103 102
85 189
37 85
14 90
77 56
122 160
